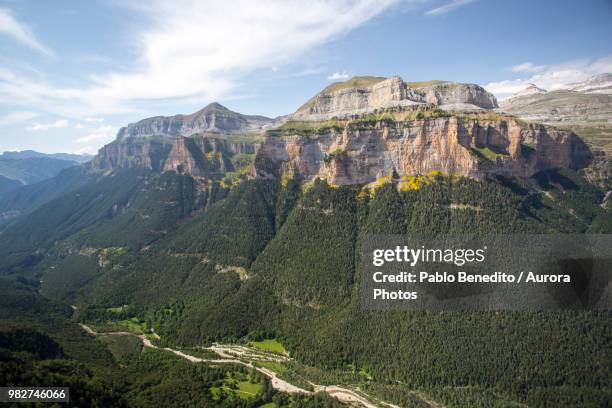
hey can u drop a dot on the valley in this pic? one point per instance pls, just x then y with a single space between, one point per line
253 358
226 263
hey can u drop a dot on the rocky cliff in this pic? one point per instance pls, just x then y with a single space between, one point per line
198 156
361 95
361 150
214 118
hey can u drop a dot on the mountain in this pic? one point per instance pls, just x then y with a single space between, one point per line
416 142
361 95
29 154
561 108
31 170
7 184
585 104
214 118
584 108
597 84
531 89
222 237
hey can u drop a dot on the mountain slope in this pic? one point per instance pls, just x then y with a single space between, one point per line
601 84
29 154
32 170
22 201
214 118
7 184
561 107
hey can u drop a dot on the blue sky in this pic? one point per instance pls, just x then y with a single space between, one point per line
73 72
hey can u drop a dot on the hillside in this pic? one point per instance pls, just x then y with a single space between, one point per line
32 169
242 240
213 118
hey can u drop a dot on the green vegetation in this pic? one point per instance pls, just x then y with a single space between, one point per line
423 84
300 250
596 137
354 82
244 138
272 345
487 153
309 128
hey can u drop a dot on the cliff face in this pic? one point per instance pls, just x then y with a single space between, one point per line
358 96
469 146
213 118
195 156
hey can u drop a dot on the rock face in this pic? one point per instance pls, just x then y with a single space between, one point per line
195 156
468 145
366 94
213 118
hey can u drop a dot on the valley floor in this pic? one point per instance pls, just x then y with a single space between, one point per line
249 356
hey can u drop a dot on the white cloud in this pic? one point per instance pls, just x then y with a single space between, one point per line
553 77
12 118
528 67
61 123
338 75
79 126
445 8
92 150
102 134
11 27
95 120
192 49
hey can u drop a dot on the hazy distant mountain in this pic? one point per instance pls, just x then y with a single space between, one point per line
531 89
598 84
586 104
29 154
7 184
29 167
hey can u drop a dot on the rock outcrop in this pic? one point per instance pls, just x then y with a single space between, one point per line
362 95
214 118
471 145
197 156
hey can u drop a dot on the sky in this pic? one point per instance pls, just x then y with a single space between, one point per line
73 72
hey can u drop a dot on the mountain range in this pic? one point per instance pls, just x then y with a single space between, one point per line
223 227
29 167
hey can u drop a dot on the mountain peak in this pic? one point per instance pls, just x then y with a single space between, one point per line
530 89
214 106
213 118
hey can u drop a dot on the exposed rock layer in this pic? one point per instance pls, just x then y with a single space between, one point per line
467 146
195 156
340 101
213 118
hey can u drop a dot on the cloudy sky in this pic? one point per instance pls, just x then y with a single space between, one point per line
73 72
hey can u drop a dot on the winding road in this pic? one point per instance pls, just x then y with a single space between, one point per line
342 394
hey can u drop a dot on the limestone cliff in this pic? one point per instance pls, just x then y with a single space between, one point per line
361 150
361 95
214 118
198 156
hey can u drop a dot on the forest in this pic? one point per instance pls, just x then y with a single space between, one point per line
282 259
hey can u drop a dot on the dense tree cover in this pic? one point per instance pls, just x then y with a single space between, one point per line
299 251
41 346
